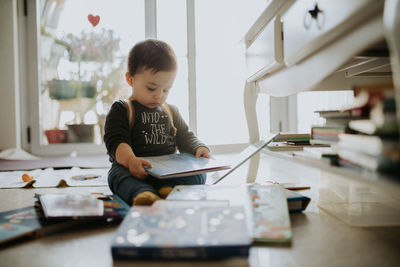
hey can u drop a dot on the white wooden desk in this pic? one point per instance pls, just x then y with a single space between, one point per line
319 239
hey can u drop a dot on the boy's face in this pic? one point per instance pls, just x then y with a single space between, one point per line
149 88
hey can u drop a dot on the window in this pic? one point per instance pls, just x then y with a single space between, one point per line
308 102
81 60
174 32
221 68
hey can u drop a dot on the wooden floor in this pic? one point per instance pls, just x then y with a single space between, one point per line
319 239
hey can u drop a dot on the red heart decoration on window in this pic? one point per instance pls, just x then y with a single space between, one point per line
94 19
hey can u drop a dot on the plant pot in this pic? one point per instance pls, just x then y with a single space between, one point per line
81 133
65 89
56 136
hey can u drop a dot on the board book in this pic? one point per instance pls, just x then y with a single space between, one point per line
182 164
74 206
296 201
178 232
28 222
265 206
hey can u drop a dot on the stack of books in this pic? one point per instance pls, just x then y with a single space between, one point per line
373 140
291 142
336 122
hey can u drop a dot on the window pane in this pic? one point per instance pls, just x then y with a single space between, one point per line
221 68
83 49
308 102
173 30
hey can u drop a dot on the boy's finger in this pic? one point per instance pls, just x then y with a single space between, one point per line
146 163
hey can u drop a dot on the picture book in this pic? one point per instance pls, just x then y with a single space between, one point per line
74 206
296 202
245 155
292 137
54 178
179 232
28 222
290 186
182 164
269 223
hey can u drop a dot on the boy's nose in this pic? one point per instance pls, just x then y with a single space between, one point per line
158 94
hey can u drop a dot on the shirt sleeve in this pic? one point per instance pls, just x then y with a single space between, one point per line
186 140
116 128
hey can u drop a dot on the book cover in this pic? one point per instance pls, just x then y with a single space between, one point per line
28 222
271 221
282 146
245 155
333 113
368 126
179 232
265 205
382 163
54 178
182 164
293 137
80 207
296 201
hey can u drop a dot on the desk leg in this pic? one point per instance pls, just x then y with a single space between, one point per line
250 101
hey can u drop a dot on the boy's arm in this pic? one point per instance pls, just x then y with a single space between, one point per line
125 156
116 139
186 140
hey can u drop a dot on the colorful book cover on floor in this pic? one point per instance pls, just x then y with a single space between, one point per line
54 178
182 233
182 164
75 206
28 222
269 223
296 201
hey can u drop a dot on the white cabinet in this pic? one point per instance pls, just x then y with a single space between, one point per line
310 25
326 45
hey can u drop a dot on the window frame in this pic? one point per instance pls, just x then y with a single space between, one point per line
29 28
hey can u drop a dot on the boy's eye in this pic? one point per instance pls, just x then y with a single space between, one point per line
165 90
151 89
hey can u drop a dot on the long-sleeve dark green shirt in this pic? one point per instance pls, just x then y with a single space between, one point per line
151 134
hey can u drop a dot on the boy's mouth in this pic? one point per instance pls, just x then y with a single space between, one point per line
155 104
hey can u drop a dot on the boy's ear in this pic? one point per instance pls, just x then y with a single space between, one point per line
129 79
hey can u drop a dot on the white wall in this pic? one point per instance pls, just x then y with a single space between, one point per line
9 109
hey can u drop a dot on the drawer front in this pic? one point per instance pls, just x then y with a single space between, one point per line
308 24
265 54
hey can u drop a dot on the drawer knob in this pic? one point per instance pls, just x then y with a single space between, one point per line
314 14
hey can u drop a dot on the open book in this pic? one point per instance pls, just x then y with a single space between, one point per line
182 164
246 154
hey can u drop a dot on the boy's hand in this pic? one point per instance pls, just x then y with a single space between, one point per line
136 167
202 152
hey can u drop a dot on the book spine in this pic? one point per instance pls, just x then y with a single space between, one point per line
183 253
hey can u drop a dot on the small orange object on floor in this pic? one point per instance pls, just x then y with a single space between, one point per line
26 177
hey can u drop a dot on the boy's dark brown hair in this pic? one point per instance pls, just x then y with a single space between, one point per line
151 54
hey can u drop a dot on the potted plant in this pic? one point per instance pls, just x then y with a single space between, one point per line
98 75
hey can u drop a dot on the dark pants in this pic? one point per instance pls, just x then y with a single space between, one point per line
127 187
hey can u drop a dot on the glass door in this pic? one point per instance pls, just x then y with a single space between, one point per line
81 65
